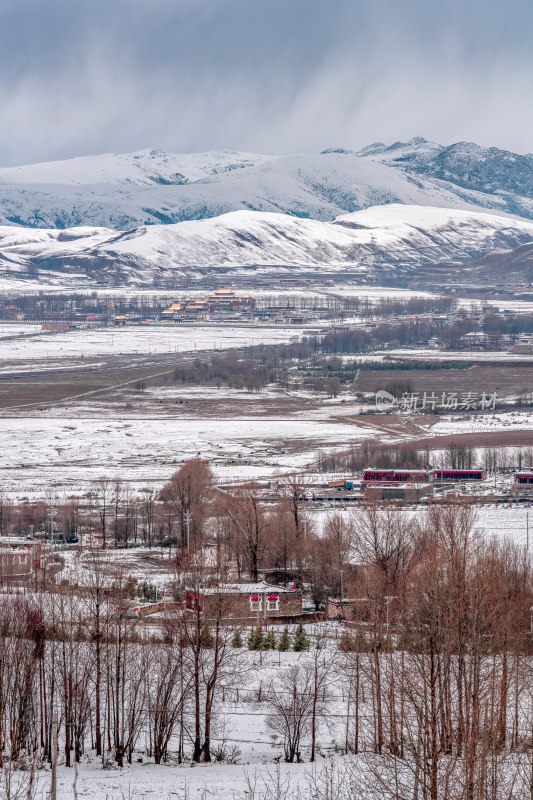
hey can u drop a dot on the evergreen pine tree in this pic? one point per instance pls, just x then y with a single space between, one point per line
301 642
257 639
270 641
251 639
206 636
284 643
237 639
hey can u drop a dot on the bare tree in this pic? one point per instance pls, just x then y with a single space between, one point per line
249 521
98 585
187 492
293 700
103 492
166 693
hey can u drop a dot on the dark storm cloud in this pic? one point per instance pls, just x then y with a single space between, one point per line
273 76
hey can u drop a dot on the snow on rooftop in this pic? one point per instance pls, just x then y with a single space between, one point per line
246 588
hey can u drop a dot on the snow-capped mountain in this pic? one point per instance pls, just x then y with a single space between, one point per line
153 187
365 242
145 168
487 170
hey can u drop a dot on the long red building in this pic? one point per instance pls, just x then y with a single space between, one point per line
393 477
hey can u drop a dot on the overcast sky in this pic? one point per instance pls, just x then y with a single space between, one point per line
274 76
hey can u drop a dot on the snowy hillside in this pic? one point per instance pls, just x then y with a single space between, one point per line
153 187
393 236
145 168
488 170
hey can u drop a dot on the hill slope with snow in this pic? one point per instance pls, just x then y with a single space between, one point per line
395 237
154 187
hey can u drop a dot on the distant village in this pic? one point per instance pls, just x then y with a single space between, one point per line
418 322
223 304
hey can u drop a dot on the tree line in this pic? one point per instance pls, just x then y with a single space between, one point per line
431 678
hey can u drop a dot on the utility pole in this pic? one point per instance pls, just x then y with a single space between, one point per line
342 586
527 531
387 601
52 514
187 519
54 757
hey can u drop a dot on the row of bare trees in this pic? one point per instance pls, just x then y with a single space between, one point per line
433 682
435 676
455 454
84 664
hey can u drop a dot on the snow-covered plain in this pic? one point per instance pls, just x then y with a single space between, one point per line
478 423
428 354
58 454
145 339
9 329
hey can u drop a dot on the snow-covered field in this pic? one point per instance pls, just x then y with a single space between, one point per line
503 522
507 523
477 423
17 329
516 306
428 354
173 782
377 293
145 339
185 338
40 455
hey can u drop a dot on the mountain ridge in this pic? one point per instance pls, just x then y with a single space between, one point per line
391 239
154 187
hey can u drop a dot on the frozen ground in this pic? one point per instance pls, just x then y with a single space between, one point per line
15 329
144 339
167 782
428 354
477 423
44 454
242 722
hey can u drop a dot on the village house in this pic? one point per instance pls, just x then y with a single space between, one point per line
355 609
246 601
19 561
228 300
12 313
220 301
187 308
57 325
